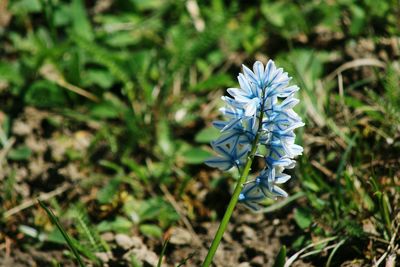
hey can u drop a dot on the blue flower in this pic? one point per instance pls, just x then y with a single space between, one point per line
268 78
248 95
231 154
272 175
245 131
263 93
233 112
250 196
285 138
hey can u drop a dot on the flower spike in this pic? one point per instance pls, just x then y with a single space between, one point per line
260 109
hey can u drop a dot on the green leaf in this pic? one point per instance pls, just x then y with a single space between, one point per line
25 6
121 39
101 78
157 209
62 15
274 14
10 72
105 110
81 23
357 20
148 4
135 262
207 135
20 153
312 185
164 140
45 94
56 236
298 243
151 230
195 156
281 258
112 166
302 218
107 193
213 83
138 169
351 101
119 225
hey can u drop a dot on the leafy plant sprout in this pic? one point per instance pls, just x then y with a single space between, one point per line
259 114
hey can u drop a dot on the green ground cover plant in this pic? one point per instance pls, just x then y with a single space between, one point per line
106 111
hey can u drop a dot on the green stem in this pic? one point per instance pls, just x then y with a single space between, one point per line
69 241
227 215
234 199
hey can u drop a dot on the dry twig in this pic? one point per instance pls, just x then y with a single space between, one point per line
354 64
6 149
43 197
391 250
181 213
49 72
194 11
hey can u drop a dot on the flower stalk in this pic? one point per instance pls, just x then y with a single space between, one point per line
231 206
259 114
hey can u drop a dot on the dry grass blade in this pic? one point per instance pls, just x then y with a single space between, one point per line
194 11
42 197
373 62
295 256
391 249
50 73
181 213
6 149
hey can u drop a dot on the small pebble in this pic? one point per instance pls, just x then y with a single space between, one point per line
124 241
108 236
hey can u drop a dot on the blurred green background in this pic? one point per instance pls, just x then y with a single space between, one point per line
106 110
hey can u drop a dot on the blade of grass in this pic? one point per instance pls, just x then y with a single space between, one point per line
186 259
281 258
282 203
164 247
384 205
338 245
55 221
293 258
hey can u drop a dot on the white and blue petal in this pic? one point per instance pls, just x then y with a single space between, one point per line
221 163
246 86
250 75
262 92
250 196
251 107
